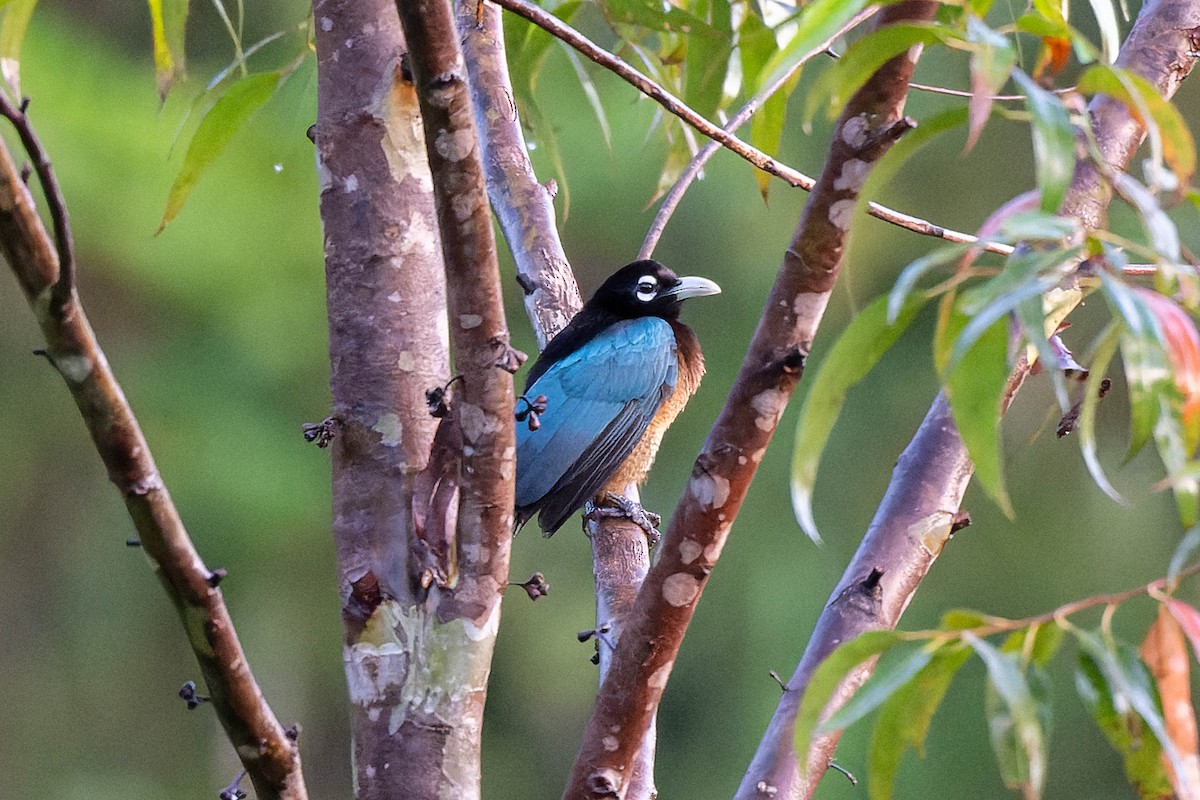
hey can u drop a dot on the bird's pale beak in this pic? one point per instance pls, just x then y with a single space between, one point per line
693 287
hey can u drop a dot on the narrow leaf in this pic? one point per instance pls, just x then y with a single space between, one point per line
826 678
864 58
1053 142
1189 621
992 59
1110 36
168 22
1170 138
817 23
917 270
905 717
1119 691
1087 412
857 350
1015 720
215 131
974 387
891 673
12 35
593 97
1165 654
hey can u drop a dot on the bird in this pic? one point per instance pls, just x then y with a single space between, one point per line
602 394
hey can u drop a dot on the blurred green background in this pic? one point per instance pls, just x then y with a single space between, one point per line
216 328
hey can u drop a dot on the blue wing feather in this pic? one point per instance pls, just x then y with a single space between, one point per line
600 400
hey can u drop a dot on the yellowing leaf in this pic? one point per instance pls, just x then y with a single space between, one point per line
214 133
168 21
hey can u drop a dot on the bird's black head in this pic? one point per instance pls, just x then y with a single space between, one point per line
647 289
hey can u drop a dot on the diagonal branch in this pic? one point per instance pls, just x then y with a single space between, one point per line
721 476
673 197
268 752
556 27
915 517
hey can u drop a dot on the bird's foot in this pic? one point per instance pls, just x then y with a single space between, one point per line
615 505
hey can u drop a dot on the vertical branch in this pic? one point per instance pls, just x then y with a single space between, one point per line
524 207
915 517
873 119
388 343
268 752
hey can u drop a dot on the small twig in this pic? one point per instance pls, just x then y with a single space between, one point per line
675 195
189 695
849 775
559 29
57 204
234 790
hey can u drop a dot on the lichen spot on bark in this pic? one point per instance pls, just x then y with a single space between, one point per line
681 589
854 175
454 145
326 24
689 550
840 214
350 185
855 131
658 680
389 428
75 369
469 321
768 405
610 743
711 491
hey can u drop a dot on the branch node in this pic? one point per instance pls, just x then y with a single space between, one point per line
234 791
959 520
604 782
293 732
849 775
190 696
322 432
436 398
872 580
216 576
133 541
783 687
26 171
535 587
793 362
509 358
311 133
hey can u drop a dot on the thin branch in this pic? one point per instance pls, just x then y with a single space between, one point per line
559 29
675 195
721 475
894 557
268 752
60 220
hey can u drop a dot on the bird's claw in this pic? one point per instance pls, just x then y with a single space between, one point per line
615 505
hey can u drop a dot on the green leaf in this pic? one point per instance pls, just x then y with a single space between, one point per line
974 388
958 619
1119 692
766 129
1036 644
1148 373
656 17
589 90
756 45
826 678
1023 268
1160 230
992 59
215 131
168 23
1110 36
905 717
1025 226
858 349
864 58
819 22
1183 551
1053 142
1016 718
708 58
1170 138
1091 400
891 674
916 270
12 35
543 140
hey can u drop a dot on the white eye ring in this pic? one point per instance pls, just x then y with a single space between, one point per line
647 288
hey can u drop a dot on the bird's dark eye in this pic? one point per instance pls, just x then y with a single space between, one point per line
647 289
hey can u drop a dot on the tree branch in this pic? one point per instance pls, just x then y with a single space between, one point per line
386 298
620 551
559 29
645 654
524 207
268 752
671 200
912 522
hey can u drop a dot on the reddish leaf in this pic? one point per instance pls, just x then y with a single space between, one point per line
1189 621
1056 50
1182 343
1165 653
